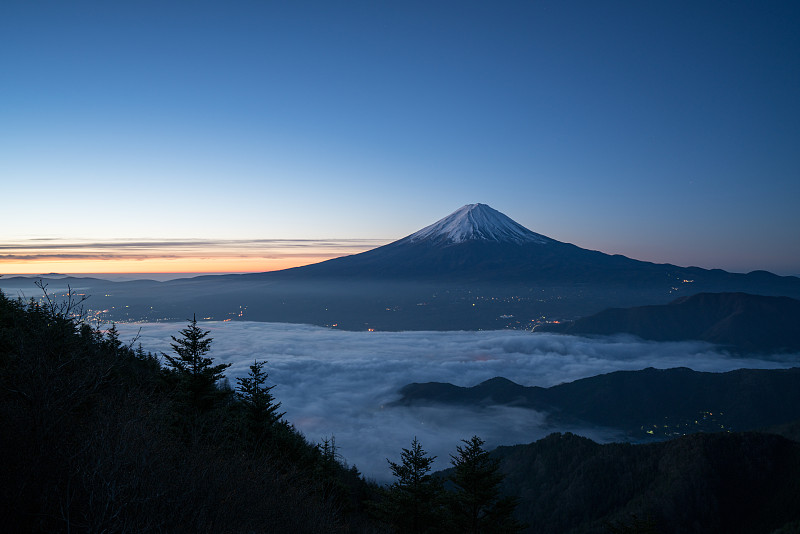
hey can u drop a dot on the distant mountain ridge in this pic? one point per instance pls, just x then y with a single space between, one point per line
647 404
474 269
740 321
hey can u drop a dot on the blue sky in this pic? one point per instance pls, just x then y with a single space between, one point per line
667 132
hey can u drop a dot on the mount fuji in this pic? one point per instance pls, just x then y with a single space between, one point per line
474 244
477 244
474 269
476 222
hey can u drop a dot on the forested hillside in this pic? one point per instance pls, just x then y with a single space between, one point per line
703 483
97 437
101 437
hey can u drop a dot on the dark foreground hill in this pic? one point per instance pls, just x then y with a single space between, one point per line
746 483
641 405
739 321
97 437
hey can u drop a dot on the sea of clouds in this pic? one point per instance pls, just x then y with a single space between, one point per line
339 383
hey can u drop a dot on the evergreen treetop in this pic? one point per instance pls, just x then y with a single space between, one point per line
197 374
261 410
413 502
477 505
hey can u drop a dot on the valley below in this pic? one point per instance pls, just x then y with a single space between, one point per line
351 384
570 364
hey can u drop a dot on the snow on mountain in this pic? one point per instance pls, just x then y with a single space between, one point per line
477 222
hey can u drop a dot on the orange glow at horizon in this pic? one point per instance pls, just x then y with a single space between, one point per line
159 265
171 256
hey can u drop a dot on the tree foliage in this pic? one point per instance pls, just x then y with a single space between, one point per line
476 505
413 502
260 408
93 440
197 375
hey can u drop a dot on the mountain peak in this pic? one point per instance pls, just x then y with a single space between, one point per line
477 222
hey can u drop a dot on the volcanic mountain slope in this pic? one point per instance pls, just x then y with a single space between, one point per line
476 222
477 244
739 321
474 269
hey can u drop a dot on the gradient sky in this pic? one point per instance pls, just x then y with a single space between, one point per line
225 136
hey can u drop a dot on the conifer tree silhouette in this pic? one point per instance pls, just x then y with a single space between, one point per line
261 410
413 502
476 505
197 374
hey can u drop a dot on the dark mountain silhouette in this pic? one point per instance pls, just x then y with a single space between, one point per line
475 269
703 483
746 323
98 437
478 244
646 404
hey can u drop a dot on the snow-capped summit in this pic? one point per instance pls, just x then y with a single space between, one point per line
477 222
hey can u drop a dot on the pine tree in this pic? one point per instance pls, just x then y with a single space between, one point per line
261 410
111 340
476 505
328 465
197 375
413 503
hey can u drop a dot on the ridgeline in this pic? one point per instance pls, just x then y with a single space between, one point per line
100 437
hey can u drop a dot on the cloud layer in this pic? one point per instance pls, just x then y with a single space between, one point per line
63 249
340 383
